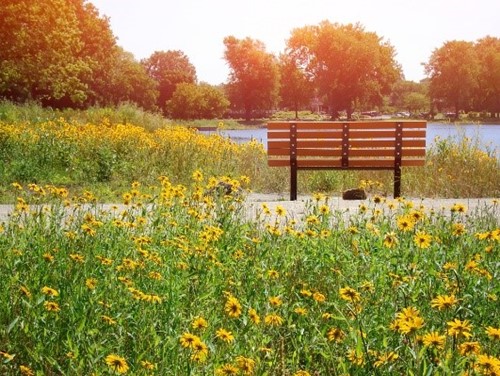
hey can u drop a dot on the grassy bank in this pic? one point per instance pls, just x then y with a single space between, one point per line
178 283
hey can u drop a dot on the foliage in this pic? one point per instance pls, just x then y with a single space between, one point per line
296 89
176 281
254 75
453 71
51 50
488 94
191 101
128 81
350 66
168 69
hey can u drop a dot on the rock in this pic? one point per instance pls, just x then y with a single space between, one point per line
354 194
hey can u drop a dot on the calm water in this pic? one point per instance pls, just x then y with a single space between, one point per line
488 135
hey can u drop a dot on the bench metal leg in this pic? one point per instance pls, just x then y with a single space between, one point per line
293 182
397 182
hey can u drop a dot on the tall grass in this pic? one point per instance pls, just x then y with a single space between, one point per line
176 281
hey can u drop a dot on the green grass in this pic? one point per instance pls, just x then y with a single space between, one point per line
357 295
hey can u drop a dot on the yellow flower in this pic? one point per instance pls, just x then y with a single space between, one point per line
468 348
199 323
411 325
200 348
335 334
280 211
227 370
273 320
458 208
422 240
458 229
434 339
254 316
91 283
51 306
246 365
301 373
275 301
233 307
117 363
26 371
390 240
300 311
488 364
49 291
493 333
459 328
224 335
319 297
349 294
444 301
187 339
6 355
385 358
405 223
108 320
147 365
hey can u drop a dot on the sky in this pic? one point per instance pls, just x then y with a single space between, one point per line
198 27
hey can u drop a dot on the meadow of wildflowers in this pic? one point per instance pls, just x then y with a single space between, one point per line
177 281
107 156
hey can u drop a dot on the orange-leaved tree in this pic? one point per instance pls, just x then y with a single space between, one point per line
349 66
254 75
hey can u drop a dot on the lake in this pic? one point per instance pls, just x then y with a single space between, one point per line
487 134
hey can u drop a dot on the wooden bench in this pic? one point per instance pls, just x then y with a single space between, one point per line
356 145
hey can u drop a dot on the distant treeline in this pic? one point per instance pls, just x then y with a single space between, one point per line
63 54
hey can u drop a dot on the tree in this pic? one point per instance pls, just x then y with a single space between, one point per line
168 69
296 88
453 70
488 93
410 95
349 65
51 50
129 82
254 76
191 101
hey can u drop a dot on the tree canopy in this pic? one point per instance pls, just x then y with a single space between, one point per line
168 69
191 101
349 65
254 75
52 50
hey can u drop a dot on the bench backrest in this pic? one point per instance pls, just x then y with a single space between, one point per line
351 145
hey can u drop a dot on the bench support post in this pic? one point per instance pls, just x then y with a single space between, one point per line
293 161
398 151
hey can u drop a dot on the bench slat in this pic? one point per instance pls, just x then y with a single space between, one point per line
352 125
352 144
337 134
352 152
337 164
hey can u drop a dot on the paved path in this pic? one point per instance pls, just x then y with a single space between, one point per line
296 209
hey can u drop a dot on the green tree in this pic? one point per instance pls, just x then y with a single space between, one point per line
52 50
453 70
350 66
488 93
191 101
296 89
254 75
168 69
129 82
